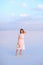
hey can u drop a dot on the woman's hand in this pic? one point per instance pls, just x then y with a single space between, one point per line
24 32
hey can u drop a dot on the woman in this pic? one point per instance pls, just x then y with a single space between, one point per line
20 44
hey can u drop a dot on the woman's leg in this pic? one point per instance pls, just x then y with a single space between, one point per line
20 51
16 52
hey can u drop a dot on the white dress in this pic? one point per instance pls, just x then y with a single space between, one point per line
21 42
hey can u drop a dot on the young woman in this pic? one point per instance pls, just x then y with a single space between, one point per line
20 44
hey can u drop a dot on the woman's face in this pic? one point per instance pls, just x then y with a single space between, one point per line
21 31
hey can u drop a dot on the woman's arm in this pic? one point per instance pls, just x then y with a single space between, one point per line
18 37
24 32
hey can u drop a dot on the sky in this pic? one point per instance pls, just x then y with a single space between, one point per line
10 9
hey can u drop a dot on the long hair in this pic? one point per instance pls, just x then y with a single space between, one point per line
21 30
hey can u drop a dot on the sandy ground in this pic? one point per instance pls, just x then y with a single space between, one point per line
33 55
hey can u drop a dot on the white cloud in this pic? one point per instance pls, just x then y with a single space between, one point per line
24 4
40 6
24 15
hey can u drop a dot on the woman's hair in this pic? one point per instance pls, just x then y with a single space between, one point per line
21 30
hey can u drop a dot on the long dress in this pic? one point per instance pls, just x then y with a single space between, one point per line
21 42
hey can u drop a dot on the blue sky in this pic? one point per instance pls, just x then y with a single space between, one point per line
20 8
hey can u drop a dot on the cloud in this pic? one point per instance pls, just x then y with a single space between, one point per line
40 6
24 4
24 15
